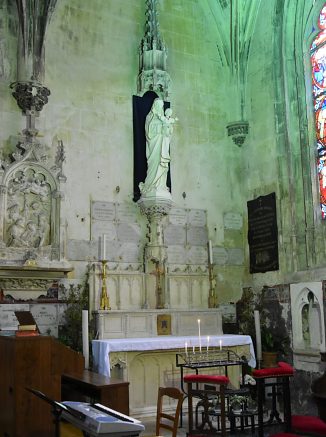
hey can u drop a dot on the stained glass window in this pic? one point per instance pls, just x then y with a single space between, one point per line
318 62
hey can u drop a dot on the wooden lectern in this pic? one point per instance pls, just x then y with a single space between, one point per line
37 363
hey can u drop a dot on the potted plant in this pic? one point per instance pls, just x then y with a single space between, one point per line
274 343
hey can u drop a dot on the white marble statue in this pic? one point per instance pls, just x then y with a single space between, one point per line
158 130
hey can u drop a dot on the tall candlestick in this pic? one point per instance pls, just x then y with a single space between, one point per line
258 335
199 337
103 254
207 342
186 348
220 345
210 252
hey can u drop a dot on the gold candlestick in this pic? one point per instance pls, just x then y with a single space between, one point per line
104 302
212 298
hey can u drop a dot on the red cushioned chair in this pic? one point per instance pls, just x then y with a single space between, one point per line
309 425
193 390
274 377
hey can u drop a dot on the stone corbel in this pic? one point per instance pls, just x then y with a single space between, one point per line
238 130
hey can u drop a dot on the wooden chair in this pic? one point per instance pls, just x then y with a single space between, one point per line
206 427
165 420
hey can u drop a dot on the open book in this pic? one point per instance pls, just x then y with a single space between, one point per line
26 321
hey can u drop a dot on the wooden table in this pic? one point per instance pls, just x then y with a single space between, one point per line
111 392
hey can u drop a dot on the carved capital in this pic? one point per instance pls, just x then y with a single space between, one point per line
238 131
30 96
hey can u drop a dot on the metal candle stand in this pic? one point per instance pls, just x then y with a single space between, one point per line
104 302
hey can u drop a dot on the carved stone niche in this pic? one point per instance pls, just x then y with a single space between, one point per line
30 208
308 325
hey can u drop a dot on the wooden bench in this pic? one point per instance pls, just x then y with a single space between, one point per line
111 392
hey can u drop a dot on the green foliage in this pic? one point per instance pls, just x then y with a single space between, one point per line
70 332
273 340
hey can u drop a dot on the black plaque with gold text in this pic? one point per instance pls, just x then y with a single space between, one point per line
262 234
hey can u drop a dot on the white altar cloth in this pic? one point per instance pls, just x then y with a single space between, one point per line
101 348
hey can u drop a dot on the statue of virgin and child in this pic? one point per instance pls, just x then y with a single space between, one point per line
158 132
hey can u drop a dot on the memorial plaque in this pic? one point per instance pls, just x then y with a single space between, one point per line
233 220
236 257
44 314
178 216
103 211
82 250
129 232
175 235
197 236
126 213
197 217
263 234
176 255
129 253
99 228
197 255
220 256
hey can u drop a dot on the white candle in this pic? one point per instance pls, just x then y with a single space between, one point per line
85 337
220 345
258 335
210 252
186 348
199 337
207 342
103 247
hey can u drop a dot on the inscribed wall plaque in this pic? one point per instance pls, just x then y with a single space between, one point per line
263 234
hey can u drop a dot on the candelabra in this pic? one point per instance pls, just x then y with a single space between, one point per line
212 298
104 303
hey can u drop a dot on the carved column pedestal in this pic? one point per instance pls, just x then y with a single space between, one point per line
155 255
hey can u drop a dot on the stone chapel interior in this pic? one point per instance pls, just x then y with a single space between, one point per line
162 171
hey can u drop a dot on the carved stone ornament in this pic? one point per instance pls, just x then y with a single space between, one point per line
30 95
30 199
152 57
238 131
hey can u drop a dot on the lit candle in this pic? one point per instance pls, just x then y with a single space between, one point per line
210 252
199 335
220 345
207 342
186 348
103 247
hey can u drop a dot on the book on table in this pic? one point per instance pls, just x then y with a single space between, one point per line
26 321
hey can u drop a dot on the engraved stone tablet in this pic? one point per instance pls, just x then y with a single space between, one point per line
196 236
235 257
81 250
232 220
109 229
129 253
197 217
126 213
175 235
176 255
7 315
197 255
220 256
178 216
129 232
44 314
103 211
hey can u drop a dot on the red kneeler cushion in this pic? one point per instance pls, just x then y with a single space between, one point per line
213 379
311 425
283 369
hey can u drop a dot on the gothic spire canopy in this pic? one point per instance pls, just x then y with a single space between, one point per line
152 56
